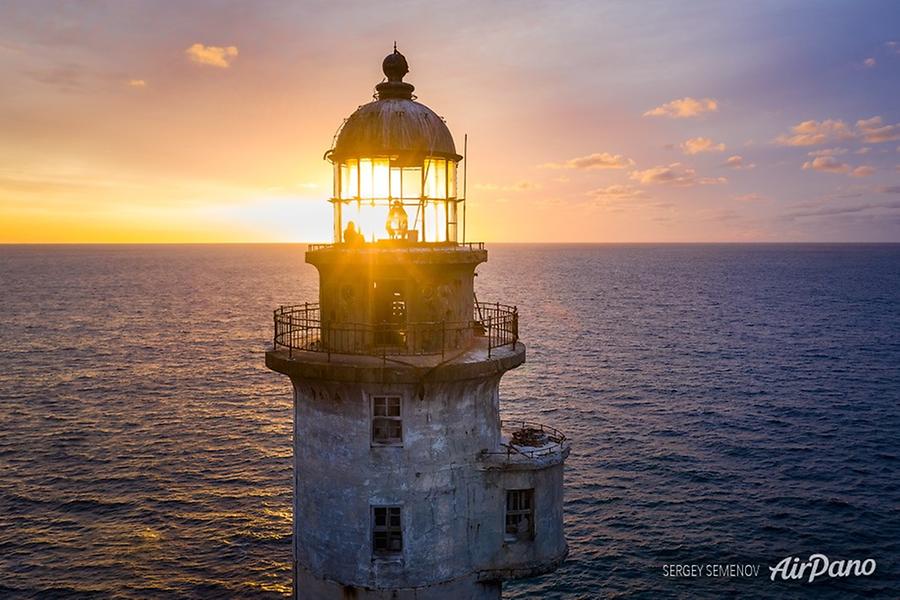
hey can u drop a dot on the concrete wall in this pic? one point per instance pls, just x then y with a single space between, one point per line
507 560
453 507
310 587
437 286
340 475
453 498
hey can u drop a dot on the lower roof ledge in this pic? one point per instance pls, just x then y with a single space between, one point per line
525 570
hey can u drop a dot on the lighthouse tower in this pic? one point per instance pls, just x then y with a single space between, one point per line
407 484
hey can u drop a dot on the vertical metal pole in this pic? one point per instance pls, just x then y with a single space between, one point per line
422 204
488 327
465 174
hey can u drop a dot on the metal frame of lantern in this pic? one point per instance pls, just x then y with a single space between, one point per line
425 183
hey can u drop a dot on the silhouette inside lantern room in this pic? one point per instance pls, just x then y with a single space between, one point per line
397 227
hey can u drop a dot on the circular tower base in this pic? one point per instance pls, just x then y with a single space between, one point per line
310 587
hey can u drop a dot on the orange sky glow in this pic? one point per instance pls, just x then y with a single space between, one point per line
203 122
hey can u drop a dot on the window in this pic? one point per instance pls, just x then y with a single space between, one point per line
387 533
519 515
387 425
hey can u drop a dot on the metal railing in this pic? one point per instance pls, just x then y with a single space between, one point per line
300 327
551 440
400 245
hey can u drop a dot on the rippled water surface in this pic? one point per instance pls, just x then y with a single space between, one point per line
726 404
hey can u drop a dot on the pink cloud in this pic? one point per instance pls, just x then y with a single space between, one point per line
674 174
684 108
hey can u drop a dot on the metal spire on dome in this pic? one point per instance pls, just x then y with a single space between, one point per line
394 67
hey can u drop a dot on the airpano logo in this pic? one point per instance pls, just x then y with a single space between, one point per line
819 566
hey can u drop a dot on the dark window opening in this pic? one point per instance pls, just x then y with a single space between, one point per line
390 313
387 424
519 515
387 533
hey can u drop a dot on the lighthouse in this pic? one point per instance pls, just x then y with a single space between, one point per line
407 483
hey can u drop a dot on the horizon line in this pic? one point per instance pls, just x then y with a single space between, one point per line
671 243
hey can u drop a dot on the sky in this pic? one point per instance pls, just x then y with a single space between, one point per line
195 121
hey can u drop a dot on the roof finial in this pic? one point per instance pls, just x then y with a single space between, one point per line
394 67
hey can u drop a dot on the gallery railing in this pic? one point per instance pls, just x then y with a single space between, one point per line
300 327
402 245
528 439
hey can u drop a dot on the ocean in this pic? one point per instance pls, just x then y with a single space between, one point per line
727 404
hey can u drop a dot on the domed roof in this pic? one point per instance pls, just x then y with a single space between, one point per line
394 124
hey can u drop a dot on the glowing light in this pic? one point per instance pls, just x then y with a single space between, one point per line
365 187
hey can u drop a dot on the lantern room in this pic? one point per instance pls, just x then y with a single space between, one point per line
395 169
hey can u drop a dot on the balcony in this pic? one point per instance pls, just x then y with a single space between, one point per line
528 445
300 328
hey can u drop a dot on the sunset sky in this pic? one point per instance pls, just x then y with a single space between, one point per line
587 121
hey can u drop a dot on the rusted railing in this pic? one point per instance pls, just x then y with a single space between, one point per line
500 323
551 440
401 245
300 327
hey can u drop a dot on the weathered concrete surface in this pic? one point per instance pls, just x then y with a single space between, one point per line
511 560
453 497
436 283
431 476
467 588
451 489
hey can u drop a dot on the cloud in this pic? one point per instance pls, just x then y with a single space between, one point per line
617 192
869 63
889 189
214 56
137 83
828 152
894 46
874 131
863 150
829 164
684 108
811 133
737 162
675 174
603 160
843 210
701 144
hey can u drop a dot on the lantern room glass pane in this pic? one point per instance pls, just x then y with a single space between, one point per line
451 179
435 178
436 229
395 183
336 187
366 178
381 178
412 182
349 179
441 177
452 229
369 220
